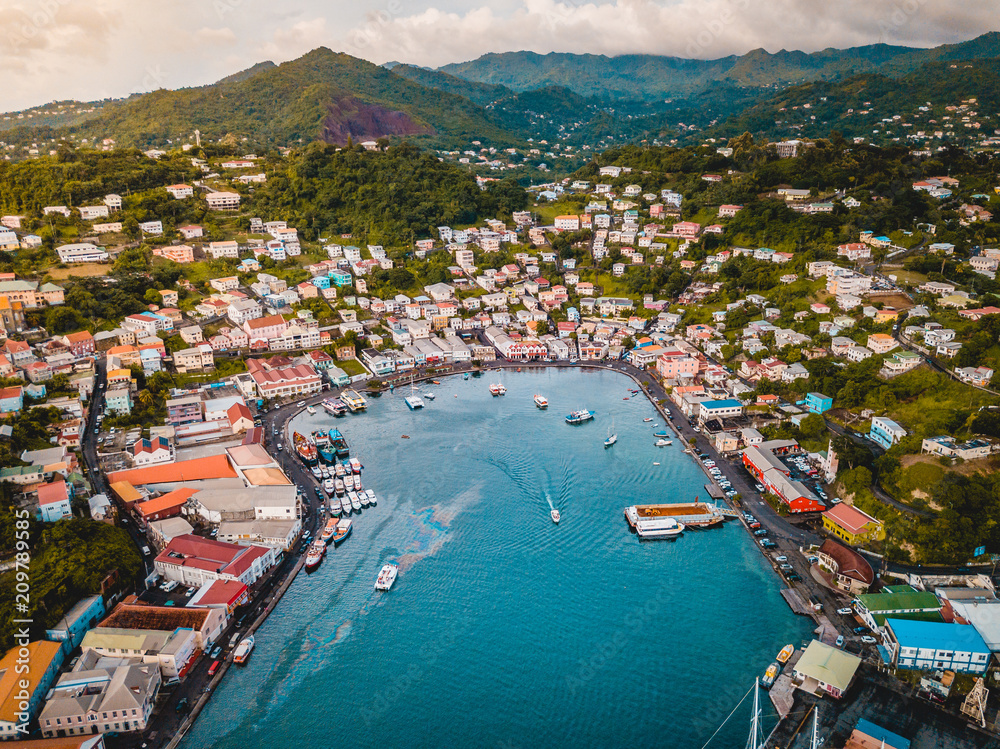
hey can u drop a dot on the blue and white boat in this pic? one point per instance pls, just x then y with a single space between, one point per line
578 417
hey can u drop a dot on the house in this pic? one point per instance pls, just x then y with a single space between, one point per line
81 252
54 501
818 403
27 673
191 231
925 646
223 201
74 624
885 432
852 525
881 343
146 452
180 192
978 376
950 447
850 570
11 400
824 669
197 358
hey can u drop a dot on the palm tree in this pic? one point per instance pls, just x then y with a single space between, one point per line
145 398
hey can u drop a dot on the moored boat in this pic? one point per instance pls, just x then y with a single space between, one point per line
578 417
338 485
328 531
310 410
497 389
663 443
305 448
363 497
662 433
372 499
355 465
243 650
330 487
413 402
541 401
335 507
343 531
355 502
339 443
345 505
653 527
386 577
353 400
315 555
785 654
770 675
335 408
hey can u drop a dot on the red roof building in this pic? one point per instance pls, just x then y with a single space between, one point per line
193 560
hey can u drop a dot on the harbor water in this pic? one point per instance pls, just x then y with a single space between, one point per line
504 629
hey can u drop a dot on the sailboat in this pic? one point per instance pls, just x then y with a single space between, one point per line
413 400
612 434
756 738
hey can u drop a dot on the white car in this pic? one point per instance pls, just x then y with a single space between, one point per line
845 612
868 640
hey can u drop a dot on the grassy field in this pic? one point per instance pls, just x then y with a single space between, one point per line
933 411
80 270
352 367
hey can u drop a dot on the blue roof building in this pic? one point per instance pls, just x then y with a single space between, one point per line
921 645
889 739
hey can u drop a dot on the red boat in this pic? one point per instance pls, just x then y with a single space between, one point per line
305 448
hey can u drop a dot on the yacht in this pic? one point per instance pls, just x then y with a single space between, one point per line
386 577
663 443
355 501
541 401
414 402
363 497
372 499
310 410
554 514
345 505
612 435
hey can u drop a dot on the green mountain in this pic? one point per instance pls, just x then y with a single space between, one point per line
652 77
866 105
321 96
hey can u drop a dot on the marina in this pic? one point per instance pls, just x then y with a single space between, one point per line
458 621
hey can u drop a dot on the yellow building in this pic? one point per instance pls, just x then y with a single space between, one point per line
852 525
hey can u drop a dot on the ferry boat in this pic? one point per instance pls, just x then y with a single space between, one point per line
541 401
305 449
353 400
414 402
315 556
343 531
386 577
663 443
372 499
355 465
328 531
785 654
243 650
345 505
338 444
554 514
657 526
770 675
336 408
310 410
578 417
497 389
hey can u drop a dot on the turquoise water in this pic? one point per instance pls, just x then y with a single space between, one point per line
503 629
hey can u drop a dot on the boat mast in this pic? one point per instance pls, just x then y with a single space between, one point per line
815 738
755 740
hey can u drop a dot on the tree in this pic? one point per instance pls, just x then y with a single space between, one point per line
812 426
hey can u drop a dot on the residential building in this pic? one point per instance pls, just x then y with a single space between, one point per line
54 501
885 432
823 669
81 252
950 447
223 201
818 403
850 571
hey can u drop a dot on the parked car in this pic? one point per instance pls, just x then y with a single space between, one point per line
860 630
214 667
792 577
845 611
840 641
781 558
868 640
786 567
182 705
760 532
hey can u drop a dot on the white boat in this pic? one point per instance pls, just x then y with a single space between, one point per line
363 498
316 472
647 420
541 401
497 388
338 485
310 410
386 577
430 396
243 650
335 507
345 505
329 487
355 465
372 499
663 443
324 472
654 527
355 501
554 514
612 435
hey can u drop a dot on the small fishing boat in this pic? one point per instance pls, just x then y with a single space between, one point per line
345 505
430 396
785 654
405 437
541 401
372 499
343 531
335 507
647 420
435 382
497 389
363 498
315 555
243 650
663 443
355 501
554 514
662 433
355 465
770 675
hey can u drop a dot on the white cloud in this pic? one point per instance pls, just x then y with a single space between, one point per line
223 36
295 40
685 28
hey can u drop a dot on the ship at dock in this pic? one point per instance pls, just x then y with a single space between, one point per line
335 408
323 447
353 400
339 444
305 448
692 515
243 650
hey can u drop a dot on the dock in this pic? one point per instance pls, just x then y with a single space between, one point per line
795 602
691 514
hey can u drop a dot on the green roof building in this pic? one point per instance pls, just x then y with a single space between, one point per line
897 602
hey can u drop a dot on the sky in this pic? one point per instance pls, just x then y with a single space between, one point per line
93 49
